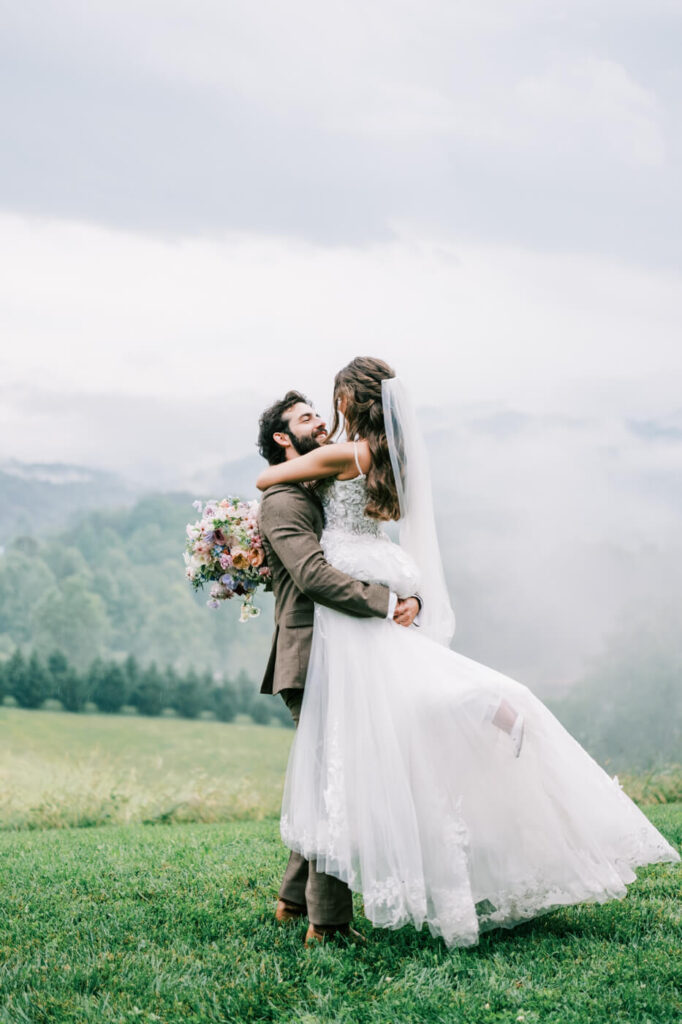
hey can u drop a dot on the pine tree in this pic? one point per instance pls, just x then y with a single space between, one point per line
224 701
95 673
16 674
36 684
171 681
73 690
149 697
260 712
109 692
245 691
57 668
206 684
131 672
187 699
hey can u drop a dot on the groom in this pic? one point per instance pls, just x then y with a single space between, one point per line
291 520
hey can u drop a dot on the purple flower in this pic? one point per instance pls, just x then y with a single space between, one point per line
227 581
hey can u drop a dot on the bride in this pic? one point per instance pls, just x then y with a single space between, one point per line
444 792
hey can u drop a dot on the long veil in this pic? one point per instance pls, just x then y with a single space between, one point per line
417 526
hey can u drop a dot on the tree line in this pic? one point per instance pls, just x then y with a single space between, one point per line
114 584
112 686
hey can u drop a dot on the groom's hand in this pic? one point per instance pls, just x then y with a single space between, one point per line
406 611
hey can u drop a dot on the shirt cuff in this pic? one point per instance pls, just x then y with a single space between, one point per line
392 602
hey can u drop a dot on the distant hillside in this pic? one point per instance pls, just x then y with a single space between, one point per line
113 583
36 496
235 477
93 565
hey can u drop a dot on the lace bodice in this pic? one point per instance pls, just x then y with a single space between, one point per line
344 504
358 545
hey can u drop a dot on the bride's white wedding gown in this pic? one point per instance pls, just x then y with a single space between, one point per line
400 784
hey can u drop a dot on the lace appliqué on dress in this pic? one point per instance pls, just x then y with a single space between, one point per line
344 503
359 545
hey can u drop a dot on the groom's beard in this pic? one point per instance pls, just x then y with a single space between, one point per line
303 445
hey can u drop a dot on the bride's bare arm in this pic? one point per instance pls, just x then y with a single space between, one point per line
328 460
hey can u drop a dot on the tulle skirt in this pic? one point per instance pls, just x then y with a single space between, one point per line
400 784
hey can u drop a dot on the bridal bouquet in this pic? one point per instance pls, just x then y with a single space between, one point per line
224 548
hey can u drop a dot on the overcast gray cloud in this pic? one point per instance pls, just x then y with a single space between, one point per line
88 310
210 201
539 123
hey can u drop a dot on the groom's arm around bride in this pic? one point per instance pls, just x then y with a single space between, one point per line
291 524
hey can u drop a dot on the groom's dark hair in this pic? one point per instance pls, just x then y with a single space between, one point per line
272 422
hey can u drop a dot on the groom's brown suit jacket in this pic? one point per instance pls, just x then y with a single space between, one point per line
291 522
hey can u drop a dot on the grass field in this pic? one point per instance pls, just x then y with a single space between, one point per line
68 770
174 925
151 923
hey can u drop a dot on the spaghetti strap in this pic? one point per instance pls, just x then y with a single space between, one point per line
357 460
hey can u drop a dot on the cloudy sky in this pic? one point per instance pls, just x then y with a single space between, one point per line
204 203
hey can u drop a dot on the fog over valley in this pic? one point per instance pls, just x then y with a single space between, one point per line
556 533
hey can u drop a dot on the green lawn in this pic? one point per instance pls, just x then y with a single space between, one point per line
59 769
175 925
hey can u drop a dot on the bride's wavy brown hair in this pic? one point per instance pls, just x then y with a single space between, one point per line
360 384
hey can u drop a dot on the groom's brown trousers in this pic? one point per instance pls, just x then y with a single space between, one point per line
329 901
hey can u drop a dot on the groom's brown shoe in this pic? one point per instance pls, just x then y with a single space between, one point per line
287 911
319 933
